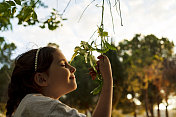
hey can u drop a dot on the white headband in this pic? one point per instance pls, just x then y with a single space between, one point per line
36 58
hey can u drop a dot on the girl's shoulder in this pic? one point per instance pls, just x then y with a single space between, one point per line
34 105
37 105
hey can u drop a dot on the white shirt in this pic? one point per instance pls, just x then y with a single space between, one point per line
37 105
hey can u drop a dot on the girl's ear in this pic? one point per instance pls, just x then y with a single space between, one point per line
41 79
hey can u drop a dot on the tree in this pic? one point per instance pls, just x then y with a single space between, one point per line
6 51
6 66
142 57
25 12
169 78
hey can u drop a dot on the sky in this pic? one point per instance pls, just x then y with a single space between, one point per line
139 16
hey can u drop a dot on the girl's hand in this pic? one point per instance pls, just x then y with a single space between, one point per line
104 105
103 67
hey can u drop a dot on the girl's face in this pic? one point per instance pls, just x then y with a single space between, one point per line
61 78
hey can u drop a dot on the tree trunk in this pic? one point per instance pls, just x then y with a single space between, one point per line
151 110
146 103
135 114
167 114
158 110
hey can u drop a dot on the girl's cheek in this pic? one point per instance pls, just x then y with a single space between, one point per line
68 73
65 73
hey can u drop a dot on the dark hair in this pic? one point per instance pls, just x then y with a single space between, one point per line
22 79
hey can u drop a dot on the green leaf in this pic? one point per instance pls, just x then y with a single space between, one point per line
1 40
11 3
74 55
96 90
77 48
103 50
27 18
91 63
111 47
85 45
49 20
34 15
42 26
105 34
100 30
27 13
92 43
82 51
13 11
85 57
6 5
64 19
57 22
18 2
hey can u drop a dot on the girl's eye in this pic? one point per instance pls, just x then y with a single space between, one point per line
63 65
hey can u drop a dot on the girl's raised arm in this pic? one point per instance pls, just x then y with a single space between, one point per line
104 105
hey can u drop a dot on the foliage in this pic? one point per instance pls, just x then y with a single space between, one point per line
169 77
85 49
169 74
25 11
5 73
2 109
6 51
142 58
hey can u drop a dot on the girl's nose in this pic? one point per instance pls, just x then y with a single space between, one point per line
72 69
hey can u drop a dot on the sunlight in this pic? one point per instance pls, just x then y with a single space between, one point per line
129 96
136 101
171 102
162 106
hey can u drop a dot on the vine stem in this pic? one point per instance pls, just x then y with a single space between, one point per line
85 10
66 7
109 2
101 26
120 13
35 3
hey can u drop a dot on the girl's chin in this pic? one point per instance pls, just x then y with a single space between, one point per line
75 86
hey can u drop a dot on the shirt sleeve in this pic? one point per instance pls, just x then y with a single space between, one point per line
62 110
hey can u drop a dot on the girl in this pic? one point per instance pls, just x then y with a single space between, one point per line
41 76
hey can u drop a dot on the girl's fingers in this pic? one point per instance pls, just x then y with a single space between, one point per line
92 72
100 57
97 67
93 76
91 69
98 62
